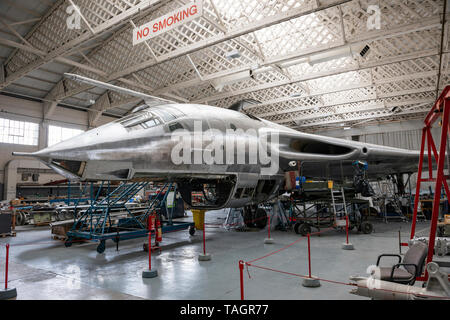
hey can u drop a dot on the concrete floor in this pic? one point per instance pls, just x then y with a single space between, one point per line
41 268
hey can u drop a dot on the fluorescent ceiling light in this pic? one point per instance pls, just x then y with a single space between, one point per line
329 56
233 54
219 83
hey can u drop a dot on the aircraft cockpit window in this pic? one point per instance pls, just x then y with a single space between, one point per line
175 126
168 113
151 123
139 108
165 116
143 121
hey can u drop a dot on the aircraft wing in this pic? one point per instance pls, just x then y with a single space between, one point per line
150 100
325 157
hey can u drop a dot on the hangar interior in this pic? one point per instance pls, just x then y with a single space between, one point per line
365 71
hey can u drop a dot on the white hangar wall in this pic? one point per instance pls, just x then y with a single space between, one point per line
31 111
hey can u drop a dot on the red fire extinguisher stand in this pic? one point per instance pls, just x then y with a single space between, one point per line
440 110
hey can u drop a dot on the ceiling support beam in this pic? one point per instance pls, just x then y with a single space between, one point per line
342 90
75 43
302 108
51 101
367 117
49 108
309 77
273 20
432 23
267 22
102 104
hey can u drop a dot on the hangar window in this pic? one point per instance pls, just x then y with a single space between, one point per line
58 134
19 132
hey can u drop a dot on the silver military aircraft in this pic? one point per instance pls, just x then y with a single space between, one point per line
145 145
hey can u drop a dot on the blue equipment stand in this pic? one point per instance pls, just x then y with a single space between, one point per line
96 223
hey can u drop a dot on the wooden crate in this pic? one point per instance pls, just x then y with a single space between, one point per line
60 229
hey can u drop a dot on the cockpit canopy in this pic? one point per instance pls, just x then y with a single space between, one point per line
144 116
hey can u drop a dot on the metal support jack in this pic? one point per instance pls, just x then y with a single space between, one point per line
440 110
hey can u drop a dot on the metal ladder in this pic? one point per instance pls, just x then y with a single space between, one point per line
338 195
395 203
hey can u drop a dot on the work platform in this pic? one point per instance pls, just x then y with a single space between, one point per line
97 224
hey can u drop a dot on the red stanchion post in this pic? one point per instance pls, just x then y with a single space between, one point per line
269 240
346 227
347 245
310 282
204 256
6 266
149 249
309 254
150 273
241 276
8 293
204 240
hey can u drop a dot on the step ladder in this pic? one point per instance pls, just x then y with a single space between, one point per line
390 193
339 195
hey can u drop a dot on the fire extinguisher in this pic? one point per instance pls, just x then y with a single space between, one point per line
151 222
158 231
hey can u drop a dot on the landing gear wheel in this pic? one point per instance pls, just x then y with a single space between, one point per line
68 216
366 227
20 219
68 243
304 229
260 218
297 226
247 216
101 246
191 230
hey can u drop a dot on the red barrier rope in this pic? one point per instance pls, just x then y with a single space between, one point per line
250 264
339 282
288 246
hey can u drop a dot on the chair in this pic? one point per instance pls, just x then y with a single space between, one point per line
406 271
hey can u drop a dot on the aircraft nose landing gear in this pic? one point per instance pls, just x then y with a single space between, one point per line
255 217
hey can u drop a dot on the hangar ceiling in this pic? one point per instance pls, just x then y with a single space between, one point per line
301 59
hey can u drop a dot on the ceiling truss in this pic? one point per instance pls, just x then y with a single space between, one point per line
303 57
